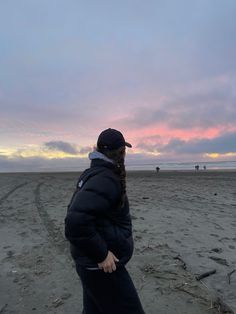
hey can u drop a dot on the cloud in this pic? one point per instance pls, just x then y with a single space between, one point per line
85 150
61 146
148 147
206 103
221 147
223 144
143 117
53 155
49 150
209 106
168 67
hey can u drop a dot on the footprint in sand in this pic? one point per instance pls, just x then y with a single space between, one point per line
10 253
223 239
200 255
218 260
214 235
177 241
169 232
219 227
217 250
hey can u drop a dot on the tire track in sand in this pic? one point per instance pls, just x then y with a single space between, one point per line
55 235
2 199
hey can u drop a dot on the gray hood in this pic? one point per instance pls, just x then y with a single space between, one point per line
97 155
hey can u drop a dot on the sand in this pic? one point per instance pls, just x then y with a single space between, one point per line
184 225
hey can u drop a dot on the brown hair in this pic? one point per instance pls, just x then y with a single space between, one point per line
118 156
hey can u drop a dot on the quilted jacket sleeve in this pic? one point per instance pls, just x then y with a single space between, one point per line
98 195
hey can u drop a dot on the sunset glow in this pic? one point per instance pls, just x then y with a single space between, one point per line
163 74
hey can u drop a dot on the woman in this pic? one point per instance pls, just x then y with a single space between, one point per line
98 226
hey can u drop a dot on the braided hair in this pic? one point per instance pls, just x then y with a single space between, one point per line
118 157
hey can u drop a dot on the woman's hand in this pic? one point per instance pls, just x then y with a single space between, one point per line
109 264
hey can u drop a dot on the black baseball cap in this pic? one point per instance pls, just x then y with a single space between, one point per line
111 139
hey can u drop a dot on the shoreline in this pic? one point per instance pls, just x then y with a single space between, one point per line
128 171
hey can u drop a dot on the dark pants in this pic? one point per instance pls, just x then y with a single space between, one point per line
109 293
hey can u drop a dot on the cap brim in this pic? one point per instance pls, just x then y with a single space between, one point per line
128 144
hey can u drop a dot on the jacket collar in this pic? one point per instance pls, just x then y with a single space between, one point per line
97 155
100 160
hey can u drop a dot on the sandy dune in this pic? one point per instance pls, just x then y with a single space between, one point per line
178 217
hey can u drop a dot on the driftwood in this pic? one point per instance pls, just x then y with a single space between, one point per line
181 260
206 274
222 307
229 274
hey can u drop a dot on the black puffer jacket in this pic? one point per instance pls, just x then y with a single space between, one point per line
95 221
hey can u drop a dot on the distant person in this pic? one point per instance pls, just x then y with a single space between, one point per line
98 226
157 169
204 167
197 167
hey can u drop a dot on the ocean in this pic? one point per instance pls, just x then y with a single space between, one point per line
203 166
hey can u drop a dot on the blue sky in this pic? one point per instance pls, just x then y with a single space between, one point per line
162 72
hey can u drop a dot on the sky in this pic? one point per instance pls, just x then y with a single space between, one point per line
163 72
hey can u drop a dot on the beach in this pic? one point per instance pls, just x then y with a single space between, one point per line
184 225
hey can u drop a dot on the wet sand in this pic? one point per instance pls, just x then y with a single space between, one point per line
184 225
